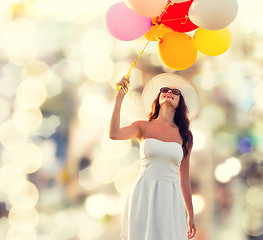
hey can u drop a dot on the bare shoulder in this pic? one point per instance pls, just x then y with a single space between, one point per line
140 123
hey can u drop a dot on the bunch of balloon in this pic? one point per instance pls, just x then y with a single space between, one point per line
170 22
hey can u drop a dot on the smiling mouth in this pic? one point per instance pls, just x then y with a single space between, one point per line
169 96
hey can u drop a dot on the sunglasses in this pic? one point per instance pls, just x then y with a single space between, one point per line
166 89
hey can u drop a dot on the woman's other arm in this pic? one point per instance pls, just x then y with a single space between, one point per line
187 194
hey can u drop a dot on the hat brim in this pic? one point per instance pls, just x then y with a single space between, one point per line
152 88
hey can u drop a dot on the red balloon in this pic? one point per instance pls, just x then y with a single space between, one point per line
176 17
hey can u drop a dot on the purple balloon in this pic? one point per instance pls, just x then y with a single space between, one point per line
126 25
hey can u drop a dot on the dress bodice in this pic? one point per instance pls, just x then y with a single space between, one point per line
160 159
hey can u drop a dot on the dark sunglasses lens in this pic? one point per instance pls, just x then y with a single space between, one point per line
164 90
176 92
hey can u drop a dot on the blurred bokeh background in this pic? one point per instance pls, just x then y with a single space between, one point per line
62 178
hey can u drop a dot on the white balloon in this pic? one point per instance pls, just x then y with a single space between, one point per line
213 14
179 1
147 8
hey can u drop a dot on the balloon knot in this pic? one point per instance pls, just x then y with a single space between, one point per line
186 19
158 20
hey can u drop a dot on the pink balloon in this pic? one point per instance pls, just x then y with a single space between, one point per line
126 25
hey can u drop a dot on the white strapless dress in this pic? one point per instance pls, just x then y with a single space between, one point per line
155 208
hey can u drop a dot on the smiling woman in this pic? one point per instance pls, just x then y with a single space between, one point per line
155 207
186 104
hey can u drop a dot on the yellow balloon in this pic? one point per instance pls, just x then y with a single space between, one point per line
156 32
212 43
177 50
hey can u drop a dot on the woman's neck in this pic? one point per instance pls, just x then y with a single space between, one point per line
166 115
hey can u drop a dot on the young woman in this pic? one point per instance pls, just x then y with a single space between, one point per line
155 208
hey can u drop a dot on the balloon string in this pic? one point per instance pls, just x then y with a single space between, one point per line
175 19
129 73
133 64
164 10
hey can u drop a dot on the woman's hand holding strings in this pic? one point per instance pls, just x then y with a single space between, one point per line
122 87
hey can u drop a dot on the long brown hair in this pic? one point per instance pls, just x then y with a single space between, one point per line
180 119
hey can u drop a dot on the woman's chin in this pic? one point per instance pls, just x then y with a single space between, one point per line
168 101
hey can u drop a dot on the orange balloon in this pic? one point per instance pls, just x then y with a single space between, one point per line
177 50
156 31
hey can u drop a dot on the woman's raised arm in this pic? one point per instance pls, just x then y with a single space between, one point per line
116 132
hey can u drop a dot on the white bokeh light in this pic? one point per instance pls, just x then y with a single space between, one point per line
23 233
222 174
38 70
200 139
31 93
258 96
198 203
5 109
228 169
11 136
28 157
115 148
125 178
233 164
104 168
23 215
99 68
27 120
18 41
97 43
94 104
23 192
213 115
90 230
39 8
10 175
96 205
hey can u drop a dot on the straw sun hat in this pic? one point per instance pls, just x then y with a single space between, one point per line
152 89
